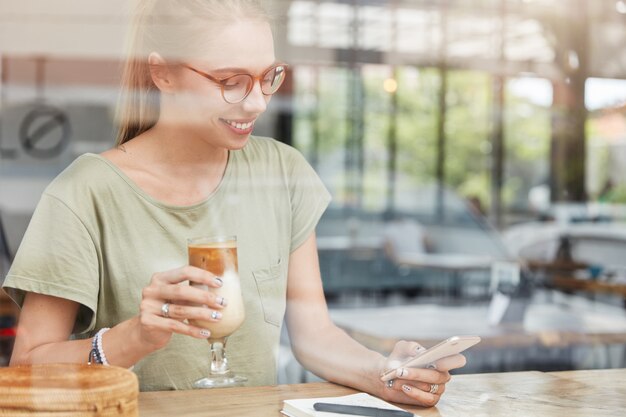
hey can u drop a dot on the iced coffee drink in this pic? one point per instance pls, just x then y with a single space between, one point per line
218 255
220 258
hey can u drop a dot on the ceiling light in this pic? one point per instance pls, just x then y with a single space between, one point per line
390 85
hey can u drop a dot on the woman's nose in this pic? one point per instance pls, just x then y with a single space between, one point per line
256 102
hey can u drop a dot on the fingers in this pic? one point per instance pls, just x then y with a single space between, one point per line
182 312
186 294
423 386
196 302
422 394
165 286
187 273
416 392
154 321
428 376
432 389
403 350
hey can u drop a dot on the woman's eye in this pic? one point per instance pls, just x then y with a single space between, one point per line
235 82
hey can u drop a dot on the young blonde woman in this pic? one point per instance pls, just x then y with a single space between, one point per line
106 247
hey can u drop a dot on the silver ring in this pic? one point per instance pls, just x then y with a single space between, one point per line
433 388
165 310
390 383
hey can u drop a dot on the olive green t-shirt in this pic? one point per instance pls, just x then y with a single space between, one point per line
96 238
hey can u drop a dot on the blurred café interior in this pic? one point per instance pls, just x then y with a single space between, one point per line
475 151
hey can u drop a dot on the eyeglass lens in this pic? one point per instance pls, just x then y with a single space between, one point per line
236 88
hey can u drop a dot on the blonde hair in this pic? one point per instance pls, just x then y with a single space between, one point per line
171 28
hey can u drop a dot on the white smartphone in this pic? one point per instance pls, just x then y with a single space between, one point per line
448 347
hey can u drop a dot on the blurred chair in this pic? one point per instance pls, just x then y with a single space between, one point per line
408 247
5 253
8 310
403 236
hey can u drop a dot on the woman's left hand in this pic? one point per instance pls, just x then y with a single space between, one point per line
418 386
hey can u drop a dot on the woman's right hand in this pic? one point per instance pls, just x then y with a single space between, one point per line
186 302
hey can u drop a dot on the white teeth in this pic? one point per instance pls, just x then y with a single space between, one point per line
240 126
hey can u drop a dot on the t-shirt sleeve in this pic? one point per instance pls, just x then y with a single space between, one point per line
309 199
57 257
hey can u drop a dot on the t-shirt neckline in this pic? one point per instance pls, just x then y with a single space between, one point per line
132 184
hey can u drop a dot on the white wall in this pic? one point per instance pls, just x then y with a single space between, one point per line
74 28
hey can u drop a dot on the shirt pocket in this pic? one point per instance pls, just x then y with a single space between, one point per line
272 292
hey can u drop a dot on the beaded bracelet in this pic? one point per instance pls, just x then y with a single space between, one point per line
98 341
96 355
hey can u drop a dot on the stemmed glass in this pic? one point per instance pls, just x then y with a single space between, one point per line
218 255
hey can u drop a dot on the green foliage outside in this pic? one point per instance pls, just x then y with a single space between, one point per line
599 153
527 128
467 127
468 134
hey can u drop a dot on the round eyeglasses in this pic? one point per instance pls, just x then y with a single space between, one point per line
235 88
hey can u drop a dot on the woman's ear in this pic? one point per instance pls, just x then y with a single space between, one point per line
161 73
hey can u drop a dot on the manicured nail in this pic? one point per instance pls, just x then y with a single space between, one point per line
205 333
221 301
406 388
216 315
400 372
218 281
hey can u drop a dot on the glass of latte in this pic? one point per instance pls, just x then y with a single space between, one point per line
218 255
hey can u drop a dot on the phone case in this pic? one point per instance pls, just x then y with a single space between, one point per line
448 347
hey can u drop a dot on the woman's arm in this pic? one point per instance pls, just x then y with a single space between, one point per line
45 325
317 343
46 322
330 353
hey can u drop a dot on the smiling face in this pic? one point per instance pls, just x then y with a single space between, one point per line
196 104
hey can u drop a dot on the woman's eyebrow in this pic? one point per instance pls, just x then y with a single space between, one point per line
236 70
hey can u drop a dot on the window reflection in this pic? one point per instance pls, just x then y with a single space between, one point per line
486 123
